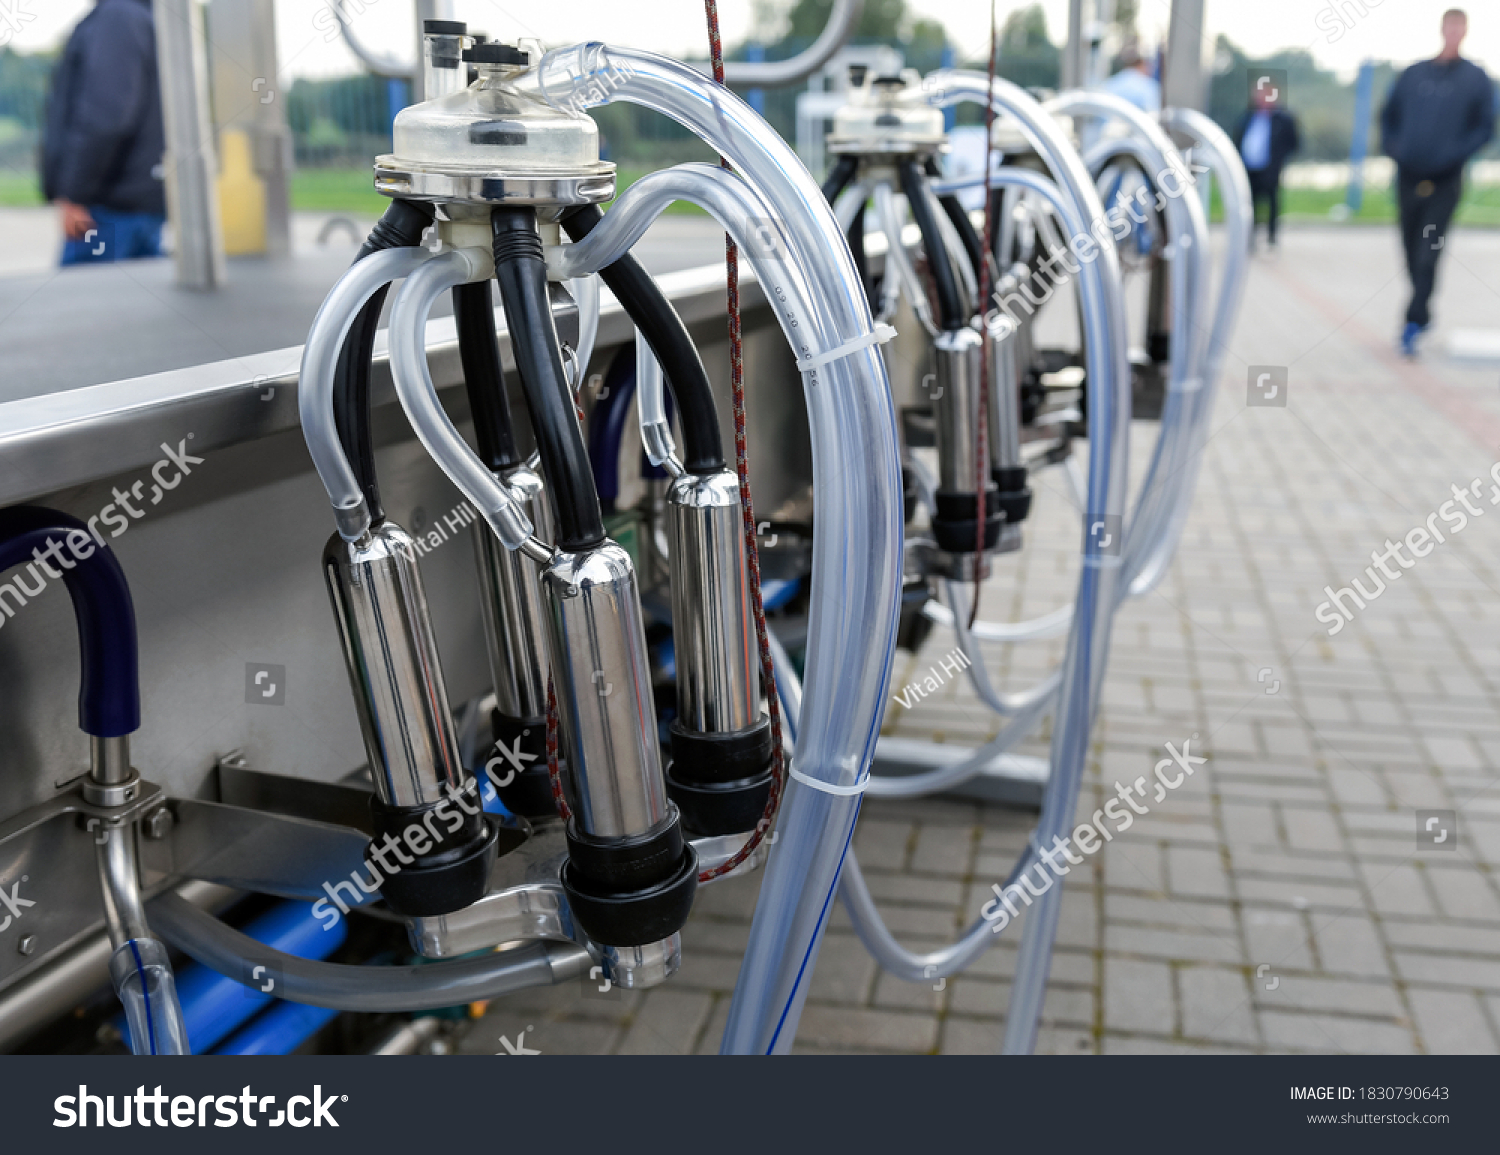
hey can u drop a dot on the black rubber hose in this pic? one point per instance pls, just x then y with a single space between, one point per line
484 376
973 246
522 274
838 179
919 197
653 315
401 227
856 237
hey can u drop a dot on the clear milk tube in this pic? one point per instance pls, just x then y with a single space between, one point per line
857 522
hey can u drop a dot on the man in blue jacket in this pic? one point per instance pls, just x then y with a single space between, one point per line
1267 136
1439 113
102 153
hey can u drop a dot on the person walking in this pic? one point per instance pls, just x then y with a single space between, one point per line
1438 114
104 137
1267 137
1136 80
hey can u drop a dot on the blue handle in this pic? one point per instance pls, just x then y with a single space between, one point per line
109 697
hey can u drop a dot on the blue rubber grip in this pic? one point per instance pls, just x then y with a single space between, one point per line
109 696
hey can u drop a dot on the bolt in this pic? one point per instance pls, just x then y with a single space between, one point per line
27 945
158 824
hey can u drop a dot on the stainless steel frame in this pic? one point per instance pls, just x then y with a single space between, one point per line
225 577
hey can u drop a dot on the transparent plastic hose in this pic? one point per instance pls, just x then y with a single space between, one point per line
408 339
371 989
1006 705
893 223
585 292
1102 306
868 924
850 201
1239 220
1099 296
651 402
856 573
1169 477
142 976
315 381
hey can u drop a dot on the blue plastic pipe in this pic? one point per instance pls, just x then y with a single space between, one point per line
280 1031
1364 90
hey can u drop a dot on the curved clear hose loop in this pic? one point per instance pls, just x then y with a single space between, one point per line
1102 306
856 576
585 291
315 381
418 395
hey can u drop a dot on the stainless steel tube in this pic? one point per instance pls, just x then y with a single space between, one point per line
603 678
512 606
718 674
393 666
956 408
1005 397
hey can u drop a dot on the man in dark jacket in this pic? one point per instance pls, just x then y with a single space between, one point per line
1439 113
102 153
1267 137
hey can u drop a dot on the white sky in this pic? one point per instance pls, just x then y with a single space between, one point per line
1400 30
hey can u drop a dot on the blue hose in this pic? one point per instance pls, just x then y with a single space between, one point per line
109 696
280 1031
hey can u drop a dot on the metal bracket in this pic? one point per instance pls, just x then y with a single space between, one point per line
72 801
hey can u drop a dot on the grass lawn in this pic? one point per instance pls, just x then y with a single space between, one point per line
1480 206
350 191
19 190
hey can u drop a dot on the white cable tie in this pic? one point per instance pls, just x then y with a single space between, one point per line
877 336
828 787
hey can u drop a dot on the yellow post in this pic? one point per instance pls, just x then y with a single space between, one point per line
242 197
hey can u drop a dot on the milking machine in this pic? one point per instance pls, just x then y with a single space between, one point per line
1041 182
604 841
576 834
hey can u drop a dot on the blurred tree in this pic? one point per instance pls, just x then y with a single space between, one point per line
1024 33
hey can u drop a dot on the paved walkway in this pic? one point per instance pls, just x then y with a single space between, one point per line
1282 898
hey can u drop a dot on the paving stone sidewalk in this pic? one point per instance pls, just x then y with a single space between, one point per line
1288 896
